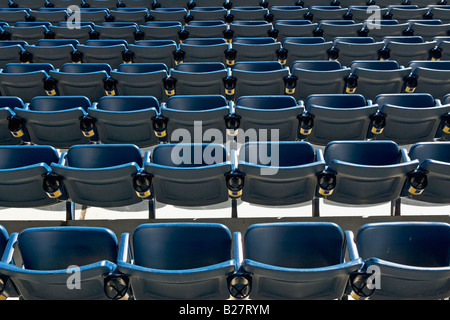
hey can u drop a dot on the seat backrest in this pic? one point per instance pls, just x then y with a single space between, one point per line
141 67
336 100
102 156
196 102
58 103
54 248
127 103
375 65
414 100
200 67
316 65
439 151
370 153
180 246
261 66
435 65
82 68
21 156
289 153
188 156
420 244
27 67
105 42
294 244
266 102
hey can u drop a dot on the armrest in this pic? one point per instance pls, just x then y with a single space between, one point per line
9 250
351 245
238 251
124 253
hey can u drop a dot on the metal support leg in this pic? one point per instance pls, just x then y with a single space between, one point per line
151 209
395 207
315 208
70 210
234 213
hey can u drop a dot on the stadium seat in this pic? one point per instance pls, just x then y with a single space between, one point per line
125 120
255 13
56 121
125 31
429 77
298 260
289 12
206 3
10 52
442 50
242 3
305 48
52 15
7 107
371 78
196 114
189 174
136 15
330 29
153 51
434 163
205 29
94 15
54 51
294 29
348 49
135 4
100 175
249 29
168 14
257 49
365 172
196 78
13 15
109 4
336 117
439 13
26 31
403 13
257 78
140 79
318 77
202 50
207 13
29 4
362 12
161 30
112 52
406 49
168 3
408 118
278 112
25 171
47 270
410 259
377 29
26 80
317 13
91 80
81 34
193 261
278 173
427 29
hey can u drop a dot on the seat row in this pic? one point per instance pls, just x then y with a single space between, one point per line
115 52
303 78
199 174
64 121
292 260
401 13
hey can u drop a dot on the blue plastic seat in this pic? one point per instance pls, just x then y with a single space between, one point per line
127 14
100 175
168 3
403 50
126 119
377 29
294 29
298 260
258 78
286 11
57 121
125 31
154 51
178 261
279 173
189 174
196 78
318 13
336 117
168 14
407 118
91 80
318 77
248 12
427 29
27 31
257 49
161 30
112 52
10 52
365 172
206 29
140 79
196 114
330 29
22 174
200 13
47 268
273 114
52 15
403 13
7 107
26 81
429 77
82 34
348 49
411 259
434 164
371 78
202 50
306 48
55 53
108 4
249 29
